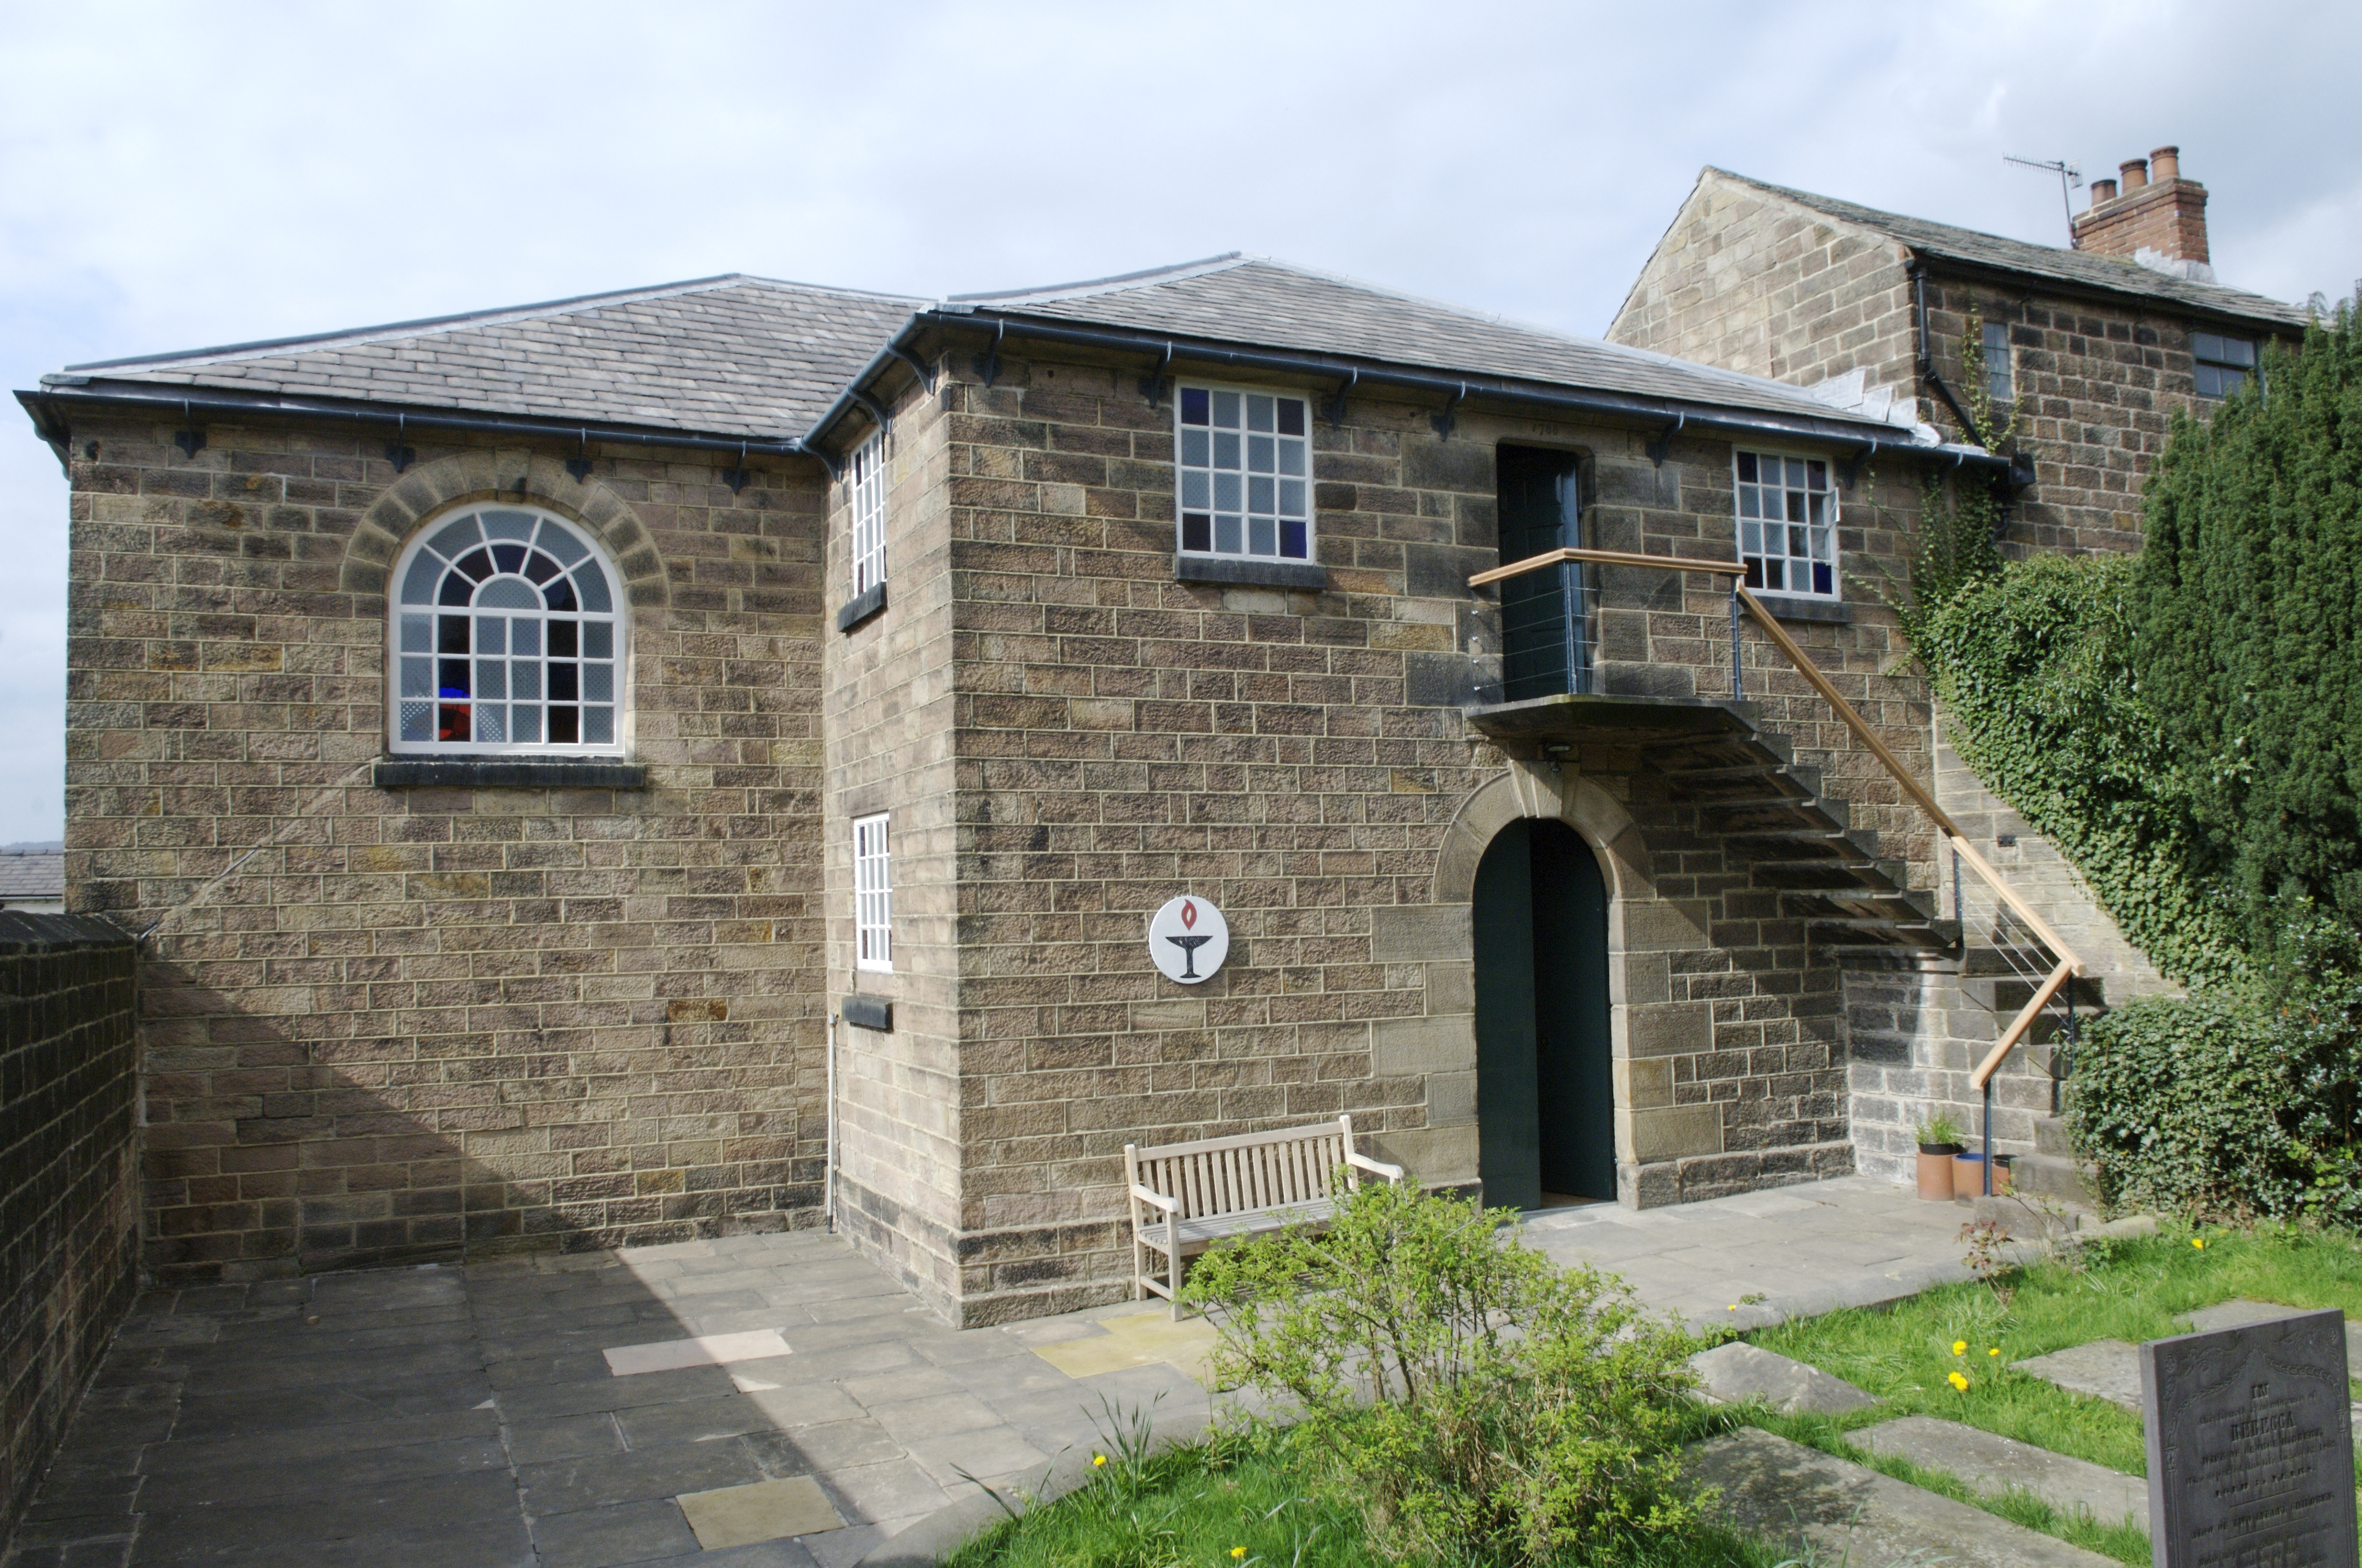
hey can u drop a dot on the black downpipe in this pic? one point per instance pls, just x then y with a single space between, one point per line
1927 354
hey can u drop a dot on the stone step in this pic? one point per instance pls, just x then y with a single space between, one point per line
1735 1373
2053 1175
1851 1514
1993 1464
2110 1369
2051 1137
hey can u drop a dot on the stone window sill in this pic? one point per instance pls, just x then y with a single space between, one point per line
1835 611
507 773
861 606
1254 574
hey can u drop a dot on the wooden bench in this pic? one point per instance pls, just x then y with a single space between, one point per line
1187 1197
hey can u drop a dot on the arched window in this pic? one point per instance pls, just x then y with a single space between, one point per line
506 639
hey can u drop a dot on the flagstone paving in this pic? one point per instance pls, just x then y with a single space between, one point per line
595 1409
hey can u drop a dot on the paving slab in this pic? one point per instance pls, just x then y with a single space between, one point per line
1735 1373
1843 1512
2102 1369
766 1510
1993 1463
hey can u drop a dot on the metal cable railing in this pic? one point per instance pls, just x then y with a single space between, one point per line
2024 940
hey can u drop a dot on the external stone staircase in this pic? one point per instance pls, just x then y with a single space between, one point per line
1753 794
2052 1171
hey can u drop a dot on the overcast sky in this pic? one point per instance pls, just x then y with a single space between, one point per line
174 177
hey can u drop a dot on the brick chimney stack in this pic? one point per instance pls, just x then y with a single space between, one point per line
2160 217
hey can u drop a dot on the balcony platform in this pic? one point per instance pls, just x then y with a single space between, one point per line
1614 720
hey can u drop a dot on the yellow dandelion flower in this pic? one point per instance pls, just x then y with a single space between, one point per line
1996 1351
1960 1347
1238 1552
1097 1460
1958 1381
2198 1242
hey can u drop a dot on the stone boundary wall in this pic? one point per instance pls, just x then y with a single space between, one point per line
69 1175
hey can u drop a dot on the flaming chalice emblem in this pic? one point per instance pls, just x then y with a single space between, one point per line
1189 944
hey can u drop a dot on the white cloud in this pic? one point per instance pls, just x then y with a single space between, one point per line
171 177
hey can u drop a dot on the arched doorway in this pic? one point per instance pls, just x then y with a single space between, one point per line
1545 1090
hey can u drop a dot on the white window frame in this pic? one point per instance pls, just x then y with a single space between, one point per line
419 638
873 895
2225 356
866 492
2001 363
1202 519
1757 560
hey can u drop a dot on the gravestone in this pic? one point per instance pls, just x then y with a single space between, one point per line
2250 1453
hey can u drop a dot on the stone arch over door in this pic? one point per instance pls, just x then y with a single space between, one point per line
485 474
1649 1028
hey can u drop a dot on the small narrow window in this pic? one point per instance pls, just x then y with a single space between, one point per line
2001 381
1787 524
507 637
1244 460
873 897
2225 364
866 478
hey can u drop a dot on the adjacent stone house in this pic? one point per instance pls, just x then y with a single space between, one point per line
705 756
2077 358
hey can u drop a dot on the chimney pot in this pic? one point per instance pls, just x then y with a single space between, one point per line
2165 165
2136 173
2168 220
2103 192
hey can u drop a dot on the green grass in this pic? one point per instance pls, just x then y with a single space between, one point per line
2132 1290
1193 1507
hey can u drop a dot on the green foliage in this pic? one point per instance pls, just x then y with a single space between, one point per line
2227 1102
1938 1130
1479 1401
2033 670
2248 604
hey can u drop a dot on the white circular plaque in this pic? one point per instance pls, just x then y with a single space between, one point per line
1187 940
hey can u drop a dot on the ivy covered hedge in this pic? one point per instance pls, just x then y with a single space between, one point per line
2186 726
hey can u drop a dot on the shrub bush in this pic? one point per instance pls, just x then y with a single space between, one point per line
2226 1103
1476 1399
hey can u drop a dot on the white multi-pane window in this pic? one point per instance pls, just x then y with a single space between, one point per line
873 895
1244 463
866 476
2000 382
505 638
1787 524
2225 364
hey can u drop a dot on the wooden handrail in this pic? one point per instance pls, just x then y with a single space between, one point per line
2020 1024
1602 557
2070 964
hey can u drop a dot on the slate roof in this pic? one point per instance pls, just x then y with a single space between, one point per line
733 356
1256 301
27 877
2078 268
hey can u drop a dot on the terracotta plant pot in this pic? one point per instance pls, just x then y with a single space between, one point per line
1969 1175
1935 1171
2000 1173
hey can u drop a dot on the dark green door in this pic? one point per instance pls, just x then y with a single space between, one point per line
1539 495
1545 1096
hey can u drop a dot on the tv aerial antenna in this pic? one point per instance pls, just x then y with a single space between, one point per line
2069 174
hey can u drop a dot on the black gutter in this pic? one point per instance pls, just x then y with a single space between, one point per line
50 406
2139 301
1667 413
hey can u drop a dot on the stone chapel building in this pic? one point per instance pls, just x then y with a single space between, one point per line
679 760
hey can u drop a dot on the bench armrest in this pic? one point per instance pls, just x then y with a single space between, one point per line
1377 1168
1172 1205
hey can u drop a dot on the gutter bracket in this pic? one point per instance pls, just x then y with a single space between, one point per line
1660 444
988 364
820 456
1449 418
579 464
1332 408
861 400
1850 469
919 368
192 440
738 478
1154 384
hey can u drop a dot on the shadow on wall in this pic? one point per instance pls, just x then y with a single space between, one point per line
463 1100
